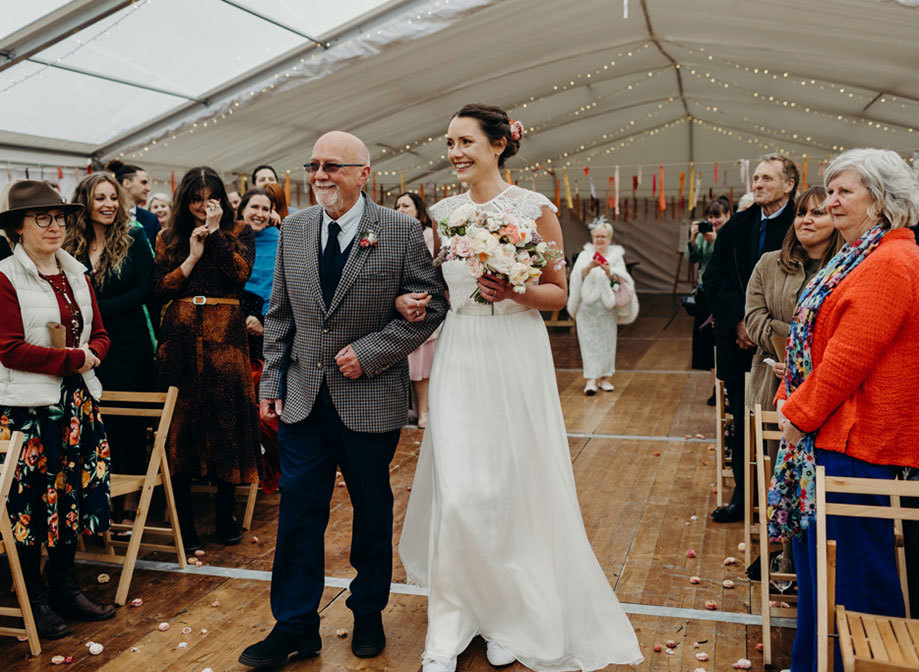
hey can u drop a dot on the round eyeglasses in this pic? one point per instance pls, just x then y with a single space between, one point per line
44 219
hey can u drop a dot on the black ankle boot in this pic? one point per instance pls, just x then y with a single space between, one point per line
66 598
181 489
228 532
47 622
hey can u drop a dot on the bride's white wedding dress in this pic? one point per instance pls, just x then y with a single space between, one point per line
493 526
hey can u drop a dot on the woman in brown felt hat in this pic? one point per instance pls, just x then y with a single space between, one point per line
51 339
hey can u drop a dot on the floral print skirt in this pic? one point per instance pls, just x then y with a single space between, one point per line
61 486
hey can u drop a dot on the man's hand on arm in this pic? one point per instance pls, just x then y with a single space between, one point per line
743 340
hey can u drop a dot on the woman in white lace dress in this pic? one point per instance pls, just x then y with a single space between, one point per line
493 527
602 295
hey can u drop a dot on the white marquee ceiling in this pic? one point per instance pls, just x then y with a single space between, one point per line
676 81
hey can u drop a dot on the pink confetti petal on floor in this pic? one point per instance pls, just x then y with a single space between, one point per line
742 664
671 644
657 453
700 669
183 645
690 553
215 603
186 630
96 649
702 656
341 632
341 484
199 553
700 436
727 583
164 626
254 539
137 602
199 564
695 580
57 660
22 638
203 631
191 560
759 646
730 560
711 605
658 648
741 547
103 578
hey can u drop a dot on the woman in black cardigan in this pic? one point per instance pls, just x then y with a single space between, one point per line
119 259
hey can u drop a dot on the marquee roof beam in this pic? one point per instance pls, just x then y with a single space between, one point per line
56 26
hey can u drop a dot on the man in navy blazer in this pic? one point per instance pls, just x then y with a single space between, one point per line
336 375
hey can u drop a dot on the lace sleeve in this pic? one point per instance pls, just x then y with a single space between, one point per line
524 202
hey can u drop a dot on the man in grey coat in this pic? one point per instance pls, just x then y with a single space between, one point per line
336 374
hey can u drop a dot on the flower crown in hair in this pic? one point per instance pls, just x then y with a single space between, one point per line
516 129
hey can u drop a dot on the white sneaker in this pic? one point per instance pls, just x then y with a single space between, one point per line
431 665
590 389
497 655
606 386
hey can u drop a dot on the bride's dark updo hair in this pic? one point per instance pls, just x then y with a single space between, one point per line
495 123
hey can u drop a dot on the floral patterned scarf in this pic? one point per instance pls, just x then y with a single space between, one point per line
791 502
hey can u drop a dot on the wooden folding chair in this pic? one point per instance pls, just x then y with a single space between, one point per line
761 434
146 405
249 491
723 420
11 449
867 642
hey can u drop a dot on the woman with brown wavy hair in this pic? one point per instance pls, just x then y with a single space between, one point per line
120 262
203 260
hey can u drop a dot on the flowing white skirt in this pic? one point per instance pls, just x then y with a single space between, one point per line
493 526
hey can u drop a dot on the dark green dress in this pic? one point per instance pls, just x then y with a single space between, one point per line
129 365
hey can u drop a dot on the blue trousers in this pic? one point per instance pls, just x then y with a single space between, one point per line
866 569
310 451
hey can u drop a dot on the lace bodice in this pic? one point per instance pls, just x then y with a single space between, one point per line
520 202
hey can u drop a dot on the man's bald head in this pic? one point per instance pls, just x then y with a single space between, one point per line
350 147
338 191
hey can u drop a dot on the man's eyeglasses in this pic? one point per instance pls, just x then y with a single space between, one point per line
44 220
329 166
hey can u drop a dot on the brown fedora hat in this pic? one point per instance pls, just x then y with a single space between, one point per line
27 195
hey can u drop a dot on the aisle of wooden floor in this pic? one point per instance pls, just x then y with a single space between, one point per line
644 480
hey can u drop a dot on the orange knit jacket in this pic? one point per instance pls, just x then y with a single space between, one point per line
862 396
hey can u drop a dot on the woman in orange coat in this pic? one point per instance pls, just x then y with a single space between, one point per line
852 367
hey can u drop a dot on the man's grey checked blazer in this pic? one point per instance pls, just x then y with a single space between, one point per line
302 337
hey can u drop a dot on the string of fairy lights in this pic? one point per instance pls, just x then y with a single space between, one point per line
80 44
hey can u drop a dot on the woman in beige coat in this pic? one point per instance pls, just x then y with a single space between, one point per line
772 294
776 283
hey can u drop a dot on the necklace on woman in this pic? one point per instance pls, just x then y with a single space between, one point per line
75 314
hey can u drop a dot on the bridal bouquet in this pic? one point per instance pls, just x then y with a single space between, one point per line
501 244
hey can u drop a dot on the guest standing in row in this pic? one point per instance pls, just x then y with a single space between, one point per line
203 260
49 392
777 282
255 210
420 360
740 244
133 179
120 262
853 363
699 250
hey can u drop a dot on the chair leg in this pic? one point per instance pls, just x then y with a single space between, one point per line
250 505
19 585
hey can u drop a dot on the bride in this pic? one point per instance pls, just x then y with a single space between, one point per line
493 527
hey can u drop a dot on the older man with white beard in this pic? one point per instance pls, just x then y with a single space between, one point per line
336 374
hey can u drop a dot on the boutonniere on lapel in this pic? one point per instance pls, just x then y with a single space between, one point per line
368 239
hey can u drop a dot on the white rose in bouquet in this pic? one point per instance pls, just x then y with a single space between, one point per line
459 216
542 247
475 267
493 224
482 241
461 247
503 258
518 276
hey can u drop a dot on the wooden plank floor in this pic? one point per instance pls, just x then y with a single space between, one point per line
641 475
